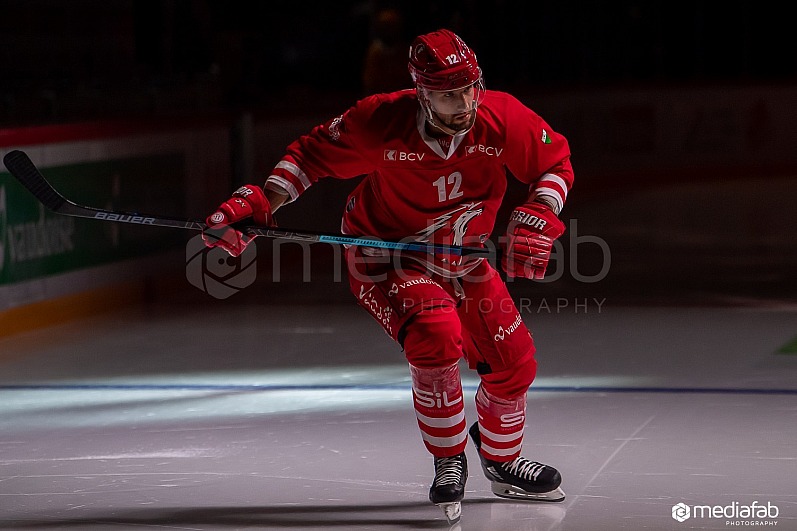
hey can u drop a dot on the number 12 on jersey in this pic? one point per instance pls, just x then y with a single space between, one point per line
443 192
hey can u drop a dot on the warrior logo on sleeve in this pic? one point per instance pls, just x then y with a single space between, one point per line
448 231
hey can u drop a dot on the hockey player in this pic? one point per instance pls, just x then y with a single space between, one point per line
435 160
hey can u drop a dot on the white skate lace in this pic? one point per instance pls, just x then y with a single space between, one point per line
523 468
447 470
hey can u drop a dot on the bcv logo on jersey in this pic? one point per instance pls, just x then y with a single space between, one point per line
487 150
393 154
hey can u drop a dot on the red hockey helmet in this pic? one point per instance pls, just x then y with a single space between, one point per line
441 61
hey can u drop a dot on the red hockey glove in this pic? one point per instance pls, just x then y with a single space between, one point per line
247 201
532 229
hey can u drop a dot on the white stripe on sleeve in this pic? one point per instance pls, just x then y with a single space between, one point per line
293 169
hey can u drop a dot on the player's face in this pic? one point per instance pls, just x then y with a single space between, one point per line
455 109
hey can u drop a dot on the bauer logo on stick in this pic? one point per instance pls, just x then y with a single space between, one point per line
124 218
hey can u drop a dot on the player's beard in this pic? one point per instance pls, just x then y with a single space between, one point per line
454 123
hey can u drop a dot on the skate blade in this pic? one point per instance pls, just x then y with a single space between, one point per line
452 511
508 491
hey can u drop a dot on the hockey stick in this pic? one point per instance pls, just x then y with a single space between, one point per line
23 169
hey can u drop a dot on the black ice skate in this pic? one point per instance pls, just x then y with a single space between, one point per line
520 479
448 487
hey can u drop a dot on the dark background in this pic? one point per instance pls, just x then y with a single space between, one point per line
82 60
86 59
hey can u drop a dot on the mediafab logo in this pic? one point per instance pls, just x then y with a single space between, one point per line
735 513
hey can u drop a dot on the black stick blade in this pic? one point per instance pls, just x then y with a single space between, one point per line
21 167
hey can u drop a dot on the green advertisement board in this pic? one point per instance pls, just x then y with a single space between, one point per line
35 242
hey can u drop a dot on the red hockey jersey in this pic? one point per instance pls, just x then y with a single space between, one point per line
417 188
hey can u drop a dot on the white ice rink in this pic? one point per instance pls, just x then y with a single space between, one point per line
227 416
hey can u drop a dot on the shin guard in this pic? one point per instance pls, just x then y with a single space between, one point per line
439 408
501 425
